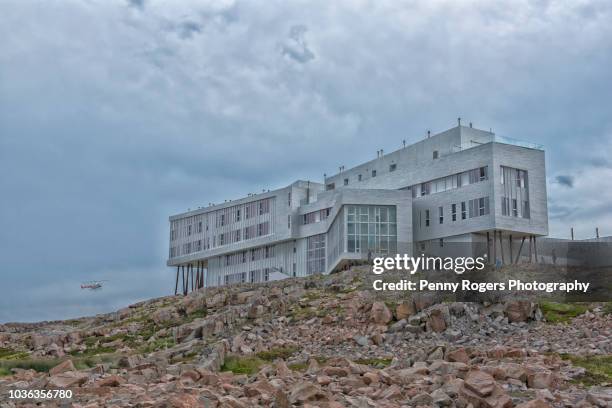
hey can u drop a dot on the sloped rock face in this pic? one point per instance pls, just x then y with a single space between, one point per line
312 342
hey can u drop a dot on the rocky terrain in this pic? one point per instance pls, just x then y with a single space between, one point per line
320 341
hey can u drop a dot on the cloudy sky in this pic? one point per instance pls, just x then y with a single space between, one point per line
115 114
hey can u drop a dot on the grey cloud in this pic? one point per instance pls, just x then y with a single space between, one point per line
189 28
565 180
137 3
295 47
105 134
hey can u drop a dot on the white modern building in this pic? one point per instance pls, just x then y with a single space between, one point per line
462 185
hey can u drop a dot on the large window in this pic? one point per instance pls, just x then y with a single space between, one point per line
371 228
515 192
315 254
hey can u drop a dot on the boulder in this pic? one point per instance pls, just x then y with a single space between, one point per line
112 381
68 379
458 355
62 368
305 391
380 313
481 390
404 310
519 310
436 320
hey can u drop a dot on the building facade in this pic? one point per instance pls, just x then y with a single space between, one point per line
463 185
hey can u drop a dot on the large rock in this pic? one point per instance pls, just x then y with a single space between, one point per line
164 315
481 390
480 383
459 355
404 310
68 379
437 318
111 381
518 310
62 368
305 391
260 388
380 313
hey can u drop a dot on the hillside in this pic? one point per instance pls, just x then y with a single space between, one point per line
320 341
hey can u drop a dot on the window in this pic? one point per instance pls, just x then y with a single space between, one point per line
289 199
200 226
454 212
463 211
266 274
330 186
371 229
505 203
189 230
482 174
441 214
289 221
392 167
441 242
238 214
427 218
515 192
222 219
435 154
373 173
346 182
483 204
315 254
424 189
359 177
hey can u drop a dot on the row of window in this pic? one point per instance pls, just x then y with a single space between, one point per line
450 182
331 186
257 275
222 217
254 254
466 209
224 238
316 216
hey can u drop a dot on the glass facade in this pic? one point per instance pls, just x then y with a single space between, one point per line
315 254
371 229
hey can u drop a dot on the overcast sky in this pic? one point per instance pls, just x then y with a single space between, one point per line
116 114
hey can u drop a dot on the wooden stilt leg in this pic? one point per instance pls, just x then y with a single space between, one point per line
530 256
176 284
535 249
519 251
495 248
183 275
501 248
510 241
488 248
